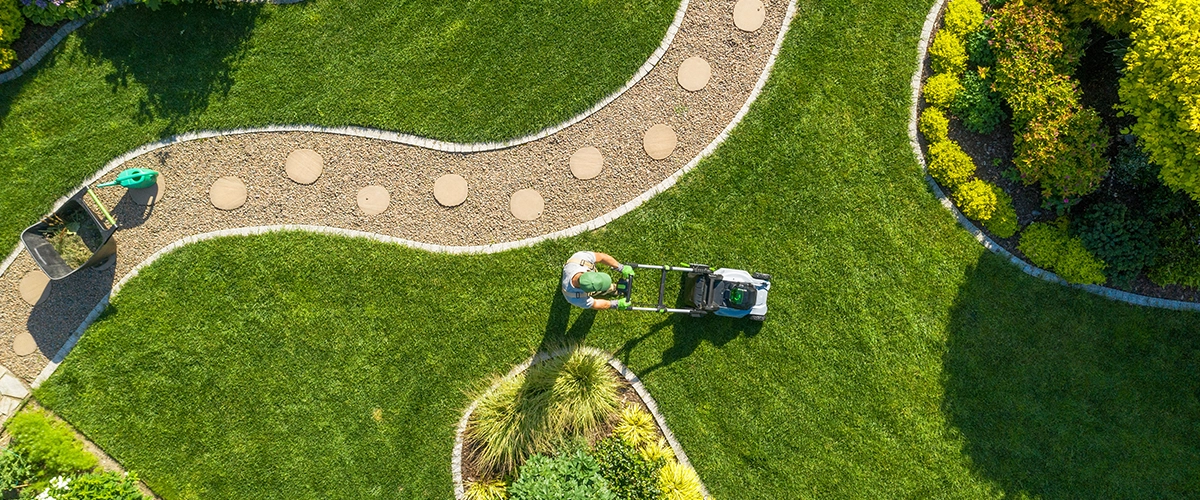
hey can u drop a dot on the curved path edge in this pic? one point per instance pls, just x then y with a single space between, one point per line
593 224
456 459
1037 272
370 133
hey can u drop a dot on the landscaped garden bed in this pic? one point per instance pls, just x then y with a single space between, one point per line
1057 128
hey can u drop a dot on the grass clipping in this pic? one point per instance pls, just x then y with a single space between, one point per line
573 395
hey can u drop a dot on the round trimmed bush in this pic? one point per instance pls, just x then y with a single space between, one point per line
947 54
976 199
1003 222
950 165
934 125
963 16
941 90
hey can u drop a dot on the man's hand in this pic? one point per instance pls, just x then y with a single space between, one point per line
627 271
622 303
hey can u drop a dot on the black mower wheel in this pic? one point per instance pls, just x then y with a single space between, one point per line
757 317
761 276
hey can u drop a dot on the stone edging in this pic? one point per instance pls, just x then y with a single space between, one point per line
491 248
456 458
1037 272
66 29
408 139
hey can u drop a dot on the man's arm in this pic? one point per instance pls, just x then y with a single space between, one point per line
607 260
603 304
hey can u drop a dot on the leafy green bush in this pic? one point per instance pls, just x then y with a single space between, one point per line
978 105
679 482
630 475
949 164
1131 167
947 54
95 486
487 490
941 90
48 12
569 476
48 444
976 199
1126 242
11 22
934 125
7 58
1003 222
963 17
1115 16
1064 152
1050 246
1179 260
636 426
979 49
1160 88
15 471
1031 45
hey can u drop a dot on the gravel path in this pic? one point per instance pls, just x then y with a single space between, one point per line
350 163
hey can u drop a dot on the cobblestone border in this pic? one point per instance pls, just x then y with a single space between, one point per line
1037 272
456 459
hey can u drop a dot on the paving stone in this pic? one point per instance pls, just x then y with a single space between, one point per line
659 142
228 193
450 190
587 163
23 344
748 15
304 166
12 387
374 200
8 406
694 74
526 204
34 286
149 196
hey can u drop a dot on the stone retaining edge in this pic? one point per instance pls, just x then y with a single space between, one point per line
1037 272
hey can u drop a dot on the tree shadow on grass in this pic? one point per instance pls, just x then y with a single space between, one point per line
182 55
1077 397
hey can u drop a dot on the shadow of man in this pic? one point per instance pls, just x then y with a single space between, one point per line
557 333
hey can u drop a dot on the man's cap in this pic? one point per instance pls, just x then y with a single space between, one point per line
595 281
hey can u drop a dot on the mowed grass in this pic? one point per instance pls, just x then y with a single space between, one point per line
458 71
899 358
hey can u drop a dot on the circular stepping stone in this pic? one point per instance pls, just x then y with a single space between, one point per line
374 200
450 190
659 142
694 74
23 344
526 204
304 166
34 286
228 193
149 196
748 15
587 163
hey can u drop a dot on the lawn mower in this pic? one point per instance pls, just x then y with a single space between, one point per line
726 292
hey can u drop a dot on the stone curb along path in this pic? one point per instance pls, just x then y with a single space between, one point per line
457 456
914 141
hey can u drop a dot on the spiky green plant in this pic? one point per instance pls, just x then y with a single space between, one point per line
658 450
509 424
487 490
583 391
636 426
679 482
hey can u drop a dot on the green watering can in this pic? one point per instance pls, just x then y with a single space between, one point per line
133 178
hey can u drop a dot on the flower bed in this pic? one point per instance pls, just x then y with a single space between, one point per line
1028 121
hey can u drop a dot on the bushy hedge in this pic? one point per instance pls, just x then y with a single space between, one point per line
1125 241
1064 152
950 165
947 54
630 475
1161 88
976 199
1114 16
962 17
1050 246
569 476
941 90
934 125
1003 222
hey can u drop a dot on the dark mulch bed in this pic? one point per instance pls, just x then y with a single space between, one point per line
32 38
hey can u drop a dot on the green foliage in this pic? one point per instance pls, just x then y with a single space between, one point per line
941 90
1032 45
636 426
1115 16
11 22
630 475
979 49
569 476
46 12
96 486
1125 241
1179 259
1064 152
679 482
1131 167
949 164
963 17
947 54
658 451
1051 247
14 470
1161 88
1003 222
487 490
582 389
7 58
978 106
976 199
48 444
934 125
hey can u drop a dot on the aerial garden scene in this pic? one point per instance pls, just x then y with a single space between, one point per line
602 249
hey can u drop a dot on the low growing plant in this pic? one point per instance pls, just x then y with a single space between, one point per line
95 486
1003 222
947 54
48 444
15 471
1179 260
630 475
568 476
1049 246
679 482
7 58
934 125
1126 242
487 490
48 12
962 17
941 90
976 199
636 426
949 164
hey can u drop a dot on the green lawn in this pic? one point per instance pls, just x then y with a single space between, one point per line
899 360
461 71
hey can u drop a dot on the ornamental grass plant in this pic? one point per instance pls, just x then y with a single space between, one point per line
636 426
679 482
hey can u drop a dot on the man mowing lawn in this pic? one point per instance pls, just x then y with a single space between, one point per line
582 283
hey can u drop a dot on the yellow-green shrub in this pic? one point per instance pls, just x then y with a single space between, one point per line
1161 87
948 54
1115 16
1003 222
11 22
962 17
487 490
636 426
934 125
1050 246
949 164
7 58
941 90
679 482
976 199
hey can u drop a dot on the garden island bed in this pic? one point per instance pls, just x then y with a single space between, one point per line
1032 121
